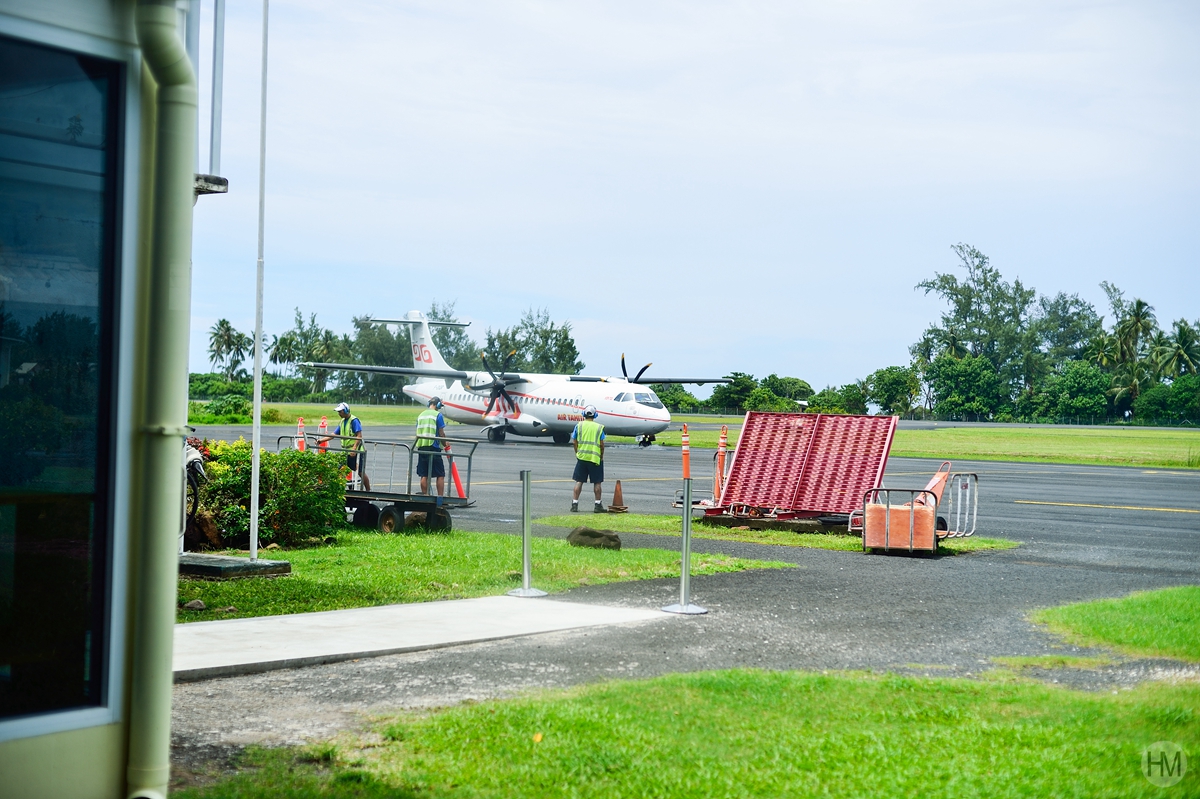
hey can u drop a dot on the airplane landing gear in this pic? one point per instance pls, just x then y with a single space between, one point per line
562 438
646 440
495 435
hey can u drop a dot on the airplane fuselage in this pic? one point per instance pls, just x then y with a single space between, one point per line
550 405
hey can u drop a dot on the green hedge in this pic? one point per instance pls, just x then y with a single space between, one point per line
302 495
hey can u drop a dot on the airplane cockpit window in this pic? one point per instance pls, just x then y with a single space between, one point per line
648 400
623 397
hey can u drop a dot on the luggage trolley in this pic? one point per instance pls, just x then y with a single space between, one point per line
888 523
391 495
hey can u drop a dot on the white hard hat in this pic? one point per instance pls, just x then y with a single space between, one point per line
590 411
341 406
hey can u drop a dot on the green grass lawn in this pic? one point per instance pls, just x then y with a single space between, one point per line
752 734
673 525
1164 623
1113 446
369 414
367 568
692 418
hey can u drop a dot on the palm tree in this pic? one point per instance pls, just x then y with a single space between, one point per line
285 349
1138 325
1104 350
1131 379
223 342
242 347
1180 353
1157 347
952 344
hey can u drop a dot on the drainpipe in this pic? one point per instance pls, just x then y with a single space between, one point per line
165 326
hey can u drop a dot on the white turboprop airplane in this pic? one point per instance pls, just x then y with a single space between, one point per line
526 404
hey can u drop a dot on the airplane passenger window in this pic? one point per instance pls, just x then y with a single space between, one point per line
648 400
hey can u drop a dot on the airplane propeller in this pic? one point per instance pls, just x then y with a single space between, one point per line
498 382
641 371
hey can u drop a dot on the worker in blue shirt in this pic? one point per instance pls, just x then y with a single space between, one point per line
351 433
431 426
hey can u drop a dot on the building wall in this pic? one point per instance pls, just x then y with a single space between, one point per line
85 755
79 764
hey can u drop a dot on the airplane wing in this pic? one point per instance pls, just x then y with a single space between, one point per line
510 379
453 374
680 380
647 380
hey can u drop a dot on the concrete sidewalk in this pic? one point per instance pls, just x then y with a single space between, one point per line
244 646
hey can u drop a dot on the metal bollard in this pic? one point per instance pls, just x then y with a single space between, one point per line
685 605
526 543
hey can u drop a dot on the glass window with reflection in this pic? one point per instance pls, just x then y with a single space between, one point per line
60 116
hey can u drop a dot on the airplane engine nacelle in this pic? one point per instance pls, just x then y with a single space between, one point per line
527 425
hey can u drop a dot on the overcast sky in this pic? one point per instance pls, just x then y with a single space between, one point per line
708 186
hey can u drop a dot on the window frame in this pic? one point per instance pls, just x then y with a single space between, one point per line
120 294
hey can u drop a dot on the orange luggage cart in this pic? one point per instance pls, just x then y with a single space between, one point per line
889 523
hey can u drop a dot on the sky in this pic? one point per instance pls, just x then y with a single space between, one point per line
709 186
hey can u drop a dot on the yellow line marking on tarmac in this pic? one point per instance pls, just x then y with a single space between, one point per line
1109 507
568 480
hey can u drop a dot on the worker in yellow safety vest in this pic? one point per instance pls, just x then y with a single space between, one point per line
431 426
351 433
588 440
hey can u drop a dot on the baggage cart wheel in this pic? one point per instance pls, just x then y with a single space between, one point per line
365 514
391 519
438 519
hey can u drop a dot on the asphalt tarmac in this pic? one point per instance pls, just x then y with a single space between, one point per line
1085 533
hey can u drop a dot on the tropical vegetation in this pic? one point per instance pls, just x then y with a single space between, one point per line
1001 351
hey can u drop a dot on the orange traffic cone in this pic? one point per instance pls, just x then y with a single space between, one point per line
322 432
300 443
618 505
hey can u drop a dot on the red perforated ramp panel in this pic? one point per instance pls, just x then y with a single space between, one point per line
807 462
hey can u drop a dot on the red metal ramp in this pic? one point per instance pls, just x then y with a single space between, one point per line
806 464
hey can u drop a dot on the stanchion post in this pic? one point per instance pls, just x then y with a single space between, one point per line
685 605
526 543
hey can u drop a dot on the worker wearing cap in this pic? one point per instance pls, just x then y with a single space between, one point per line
431 425
588 440
351 433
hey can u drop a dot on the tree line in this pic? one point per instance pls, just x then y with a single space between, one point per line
1001 351
535 343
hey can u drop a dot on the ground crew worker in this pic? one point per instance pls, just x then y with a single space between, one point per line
431 424
351 434
588 440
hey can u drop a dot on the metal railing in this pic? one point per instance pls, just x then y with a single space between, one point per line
962 504
917 498
376 451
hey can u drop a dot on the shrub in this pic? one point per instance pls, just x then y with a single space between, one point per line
230 405
202 413
301 494
762 399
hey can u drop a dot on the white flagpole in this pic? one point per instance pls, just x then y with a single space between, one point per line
256 437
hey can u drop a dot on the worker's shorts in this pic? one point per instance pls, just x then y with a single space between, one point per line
586 471
356 461
425 461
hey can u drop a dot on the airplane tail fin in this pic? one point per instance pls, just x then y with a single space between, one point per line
424 351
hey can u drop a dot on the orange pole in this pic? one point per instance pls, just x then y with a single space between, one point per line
719 477
323 430
300 443
457 482
687 455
